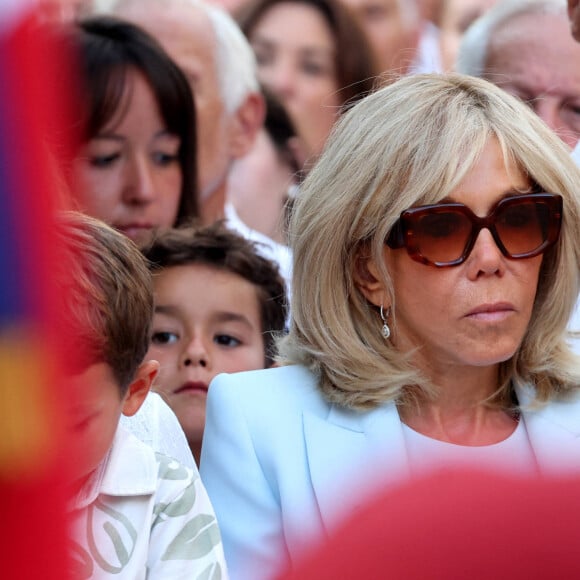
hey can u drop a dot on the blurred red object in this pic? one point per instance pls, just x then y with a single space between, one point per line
455 526
32 446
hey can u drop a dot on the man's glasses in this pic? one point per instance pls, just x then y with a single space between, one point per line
444 234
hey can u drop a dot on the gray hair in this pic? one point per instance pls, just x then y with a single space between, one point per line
474 47
235 60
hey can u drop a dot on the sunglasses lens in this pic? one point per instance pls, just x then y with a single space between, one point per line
523 227
440 236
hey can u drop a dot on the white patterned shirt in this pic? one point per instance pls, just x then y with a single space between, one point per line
144 515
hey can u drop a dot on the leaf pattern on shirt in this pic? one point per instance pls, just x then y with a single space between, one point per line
178 507
118 530
212 572
195 540
170 469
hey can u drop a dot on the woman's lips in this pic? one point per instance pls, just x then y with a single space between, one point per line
134 230
491 312
192 387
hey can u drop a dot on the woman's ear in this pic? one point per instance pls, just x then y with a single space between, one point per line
140 387
368 280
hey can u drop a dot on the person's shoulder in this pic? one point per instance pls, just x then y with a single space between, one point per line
563 411
291 380
156 425
576 154
284 391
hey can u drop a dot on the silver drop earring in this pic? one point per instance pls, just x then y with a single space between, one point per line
386 331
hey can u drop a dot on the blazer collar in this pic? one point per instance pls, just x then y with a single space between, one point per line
348 452
553 431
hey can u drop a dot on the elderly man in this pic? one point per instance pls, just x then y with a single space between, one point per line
525 47
214 54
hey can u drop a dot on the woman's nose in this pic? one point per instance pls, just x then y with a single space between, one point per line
485 257
280 79
140 185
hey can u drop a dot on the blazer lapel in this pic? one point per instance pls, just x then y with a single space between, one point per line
554 433
349 453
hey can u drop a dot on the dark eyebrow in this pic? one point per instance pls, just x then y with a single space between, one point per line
107 137
231 317
170 310
116 137
222 316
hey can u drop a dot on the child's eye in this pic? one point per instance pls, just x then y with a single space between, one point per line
226 340
102 161
164 337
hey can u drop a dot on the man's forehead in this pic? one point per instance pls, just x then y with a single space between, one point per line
186 33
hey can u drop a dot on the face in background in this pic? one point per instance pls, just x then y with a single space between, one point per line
295 51
430 9
474 314
128 175
187 36
535 58
258 187
392 38
456 17
207 321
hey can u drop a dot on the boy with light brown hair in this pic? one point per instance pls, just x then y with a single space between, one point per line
134 512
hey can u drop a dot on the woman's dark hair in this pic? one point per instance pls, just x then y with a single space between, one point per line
110 49
279 127
354 61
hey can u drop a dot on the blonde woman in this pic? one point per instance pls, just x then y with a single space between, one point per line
436 248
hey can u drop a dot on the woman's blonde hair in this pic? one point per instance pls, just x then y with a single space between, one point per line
410 144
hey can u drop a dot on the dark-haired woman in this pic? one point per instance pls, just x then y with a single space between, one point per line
136 165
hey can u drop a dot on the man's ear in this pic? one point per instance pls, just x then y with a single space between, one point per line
367 279
247 121
139 387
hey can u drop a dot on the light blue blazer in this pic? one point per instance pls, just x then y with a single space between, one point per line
282 466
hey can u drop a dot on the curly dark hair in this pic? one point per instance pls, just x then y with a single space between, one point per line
223 249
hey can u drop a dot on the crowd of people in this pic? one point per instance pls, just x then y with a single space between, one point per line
315 252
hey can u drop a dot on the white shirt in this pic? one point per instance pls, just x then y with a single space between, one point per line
157 426
514 454
574 324
576 154
278 253
144 515
428 57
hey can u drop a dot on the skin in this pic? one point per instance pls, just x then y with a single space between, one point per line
129 175
429 9
186 33
295 52
437 312
94 408
392 39
535 58
258 187
456 17
198 334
